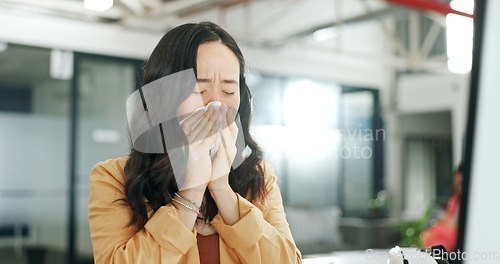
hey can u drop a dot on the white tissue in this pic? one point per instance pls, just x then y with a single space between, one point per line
395 256
215 146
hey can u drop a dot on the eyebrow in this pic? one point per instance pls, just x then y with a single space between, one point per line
229 81
205 80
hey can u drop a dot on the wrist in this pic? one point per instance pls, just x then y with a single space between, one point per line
194 194
227 202
218 188
219 183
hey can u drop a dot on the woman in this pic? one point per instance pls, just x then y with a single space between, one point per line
140 213
445 231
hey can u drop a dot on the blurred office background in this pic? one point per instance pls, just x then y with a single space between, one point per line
360 105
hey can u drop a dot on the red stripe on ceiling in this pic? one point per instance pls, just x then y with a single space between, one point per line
429 5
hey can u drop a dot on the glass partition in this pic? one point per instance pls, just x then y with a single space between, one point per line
34 151
36 100
103 85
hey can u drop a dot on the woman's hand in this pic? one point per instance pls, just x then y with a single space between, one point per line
201 131
219 187
221 165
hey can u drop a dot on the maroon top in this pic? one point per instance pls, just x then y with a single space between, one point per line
208 247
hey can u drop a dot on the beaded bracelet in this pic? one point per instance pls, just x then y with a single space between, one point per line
187 206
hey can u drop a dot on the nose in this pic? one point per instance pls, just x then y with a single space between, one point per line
211 95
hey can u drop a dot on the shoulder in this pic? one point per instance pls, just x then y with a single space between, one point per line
269 175
111 170
272 197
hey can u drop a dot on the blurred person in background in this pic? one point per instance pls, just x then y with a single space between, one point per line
445 231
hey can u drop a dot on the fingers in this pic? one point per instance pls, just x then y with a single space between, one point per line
188 123
223 111
206 127
233 127
231 115
230 125
203 127
227 152
230 132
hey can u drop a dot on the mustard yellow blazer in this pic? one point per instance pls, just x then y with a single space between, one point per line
261 235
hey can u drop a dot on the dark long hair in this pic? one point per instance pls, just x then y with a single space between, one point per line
150 176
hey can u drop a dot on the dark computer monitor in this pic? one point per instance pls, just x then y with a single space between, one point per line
479 219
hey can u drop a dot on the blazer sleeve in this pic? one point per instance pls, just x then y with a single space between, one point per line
262 235
164 239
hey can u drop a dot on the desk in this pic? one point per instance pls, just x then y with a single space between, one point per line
375 256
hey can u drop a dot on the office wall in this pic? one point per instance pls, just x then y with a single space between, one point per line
419 103
425 93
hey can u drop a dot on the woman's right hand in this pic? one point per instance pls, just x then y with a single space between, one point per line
201 130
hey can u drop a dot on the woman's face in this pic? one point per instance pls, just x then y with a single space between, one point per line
457 182
218 72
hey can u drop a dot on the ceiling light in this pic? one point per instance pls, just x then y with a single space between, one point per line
324 34
98 5
459 37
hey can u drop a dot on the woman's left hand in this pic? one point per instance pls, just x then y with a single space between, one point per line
221 165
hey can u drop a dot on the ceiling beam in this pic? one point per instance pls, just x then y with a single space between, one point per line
208 5
152 3
175 7
134 6
371 15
